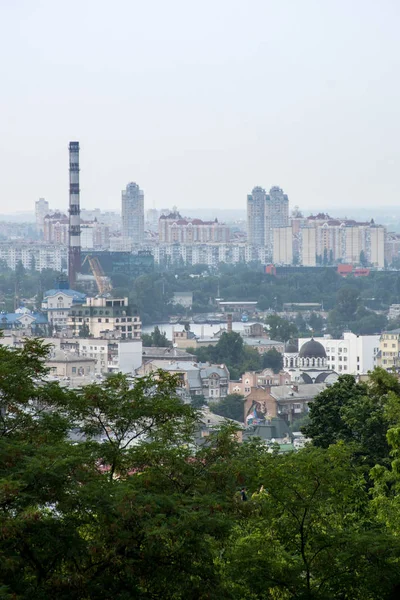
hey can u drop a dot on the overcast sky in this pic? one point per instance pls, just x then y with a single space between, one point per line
198 102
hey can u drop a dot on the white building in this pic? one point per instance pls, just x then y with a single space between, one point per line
377 246
351 355
57 305
282 246
41 256
308 246
112 356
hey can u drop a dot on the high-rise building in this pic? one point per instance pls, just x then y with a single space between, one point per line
41 210
276 214
133 214
377 246
282 246
308 246
256 217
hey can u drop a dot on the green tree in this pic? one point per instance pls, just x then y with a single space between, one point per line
356 414
280 329
272 360
363 259
156 339
347 301
84 331
309 535
231 407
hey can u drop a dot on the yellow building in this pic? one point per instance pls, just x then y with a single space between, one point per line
389 350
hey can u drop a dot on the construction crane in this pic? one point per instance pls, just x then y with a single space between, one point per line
102 281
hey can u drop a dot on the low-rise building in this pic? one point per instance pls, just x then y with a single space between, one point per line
254 379
197 379
57 304
25 321
68 364
289 402
264 344
105 315
388 356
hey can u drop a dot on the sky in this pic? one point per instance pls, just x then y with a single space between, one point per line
198 102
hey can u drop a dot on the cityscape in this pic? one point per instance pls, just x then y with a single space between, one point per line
199 301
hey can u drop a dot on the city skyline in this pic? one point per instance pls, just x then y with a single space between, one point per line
173 106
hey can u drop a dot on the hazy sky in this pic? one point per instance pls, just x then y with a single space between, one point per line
198 102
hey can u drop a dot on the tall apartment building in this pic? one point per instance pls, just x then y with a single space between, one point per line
172 228
282 246
133 214
377 246
344 239
276 214
308 246
34 255
256 217
41 210
266 212
56 228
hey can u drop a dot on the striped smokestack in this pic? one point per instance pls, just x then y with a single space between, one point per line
74 253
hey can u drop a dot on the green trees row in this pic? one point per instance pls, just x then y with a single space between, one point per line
237 356
104 495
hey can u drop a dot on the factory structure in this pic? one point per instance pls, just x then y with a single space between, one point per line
74 245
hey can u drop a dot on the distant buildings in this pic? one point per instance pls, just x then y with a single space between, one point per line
133 214
256 217
172 228
41 210
322 239
276 214
56 228
34 255
282 246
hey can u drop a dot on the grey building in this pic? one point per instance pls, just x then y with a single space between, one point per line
133 214
276 214
256 217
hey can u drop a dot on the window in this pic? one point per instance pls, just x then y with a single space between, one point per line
99 320
393 345
385 345
73 370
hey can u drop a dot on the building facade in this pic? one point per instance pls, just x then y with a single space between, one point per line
41 210
351 355
57 305
34 255
172 228
105 316
388 356
276 214
282 253
256 217
133 214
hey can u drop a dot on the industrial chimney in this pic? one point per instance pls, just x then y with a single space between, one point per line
74 251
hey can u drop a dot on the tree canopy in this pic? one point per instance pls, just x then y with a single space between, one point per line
104 494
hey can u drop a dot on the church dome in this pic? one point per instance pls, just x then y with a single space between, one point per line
292 347
312 349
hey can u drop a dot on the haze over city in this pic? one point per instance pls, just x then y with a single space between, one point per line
199 104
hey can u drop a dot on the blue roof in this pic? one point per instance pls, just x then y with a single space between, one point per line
77 297
11 318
